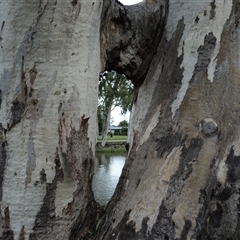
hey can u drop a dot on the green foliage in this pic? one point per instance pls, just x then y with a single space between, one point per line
123 124
115 90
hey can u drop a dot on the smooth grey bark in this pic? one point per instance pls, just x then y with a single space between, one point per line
50 63
106 122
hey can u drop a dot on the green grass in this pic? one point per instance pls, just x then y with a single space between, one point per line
111 150
114 137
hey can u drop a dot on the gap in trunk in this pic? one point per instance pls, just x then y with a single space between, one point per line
130 2
114 106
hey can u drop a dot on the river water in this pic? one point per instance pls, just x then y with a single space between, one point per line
108 168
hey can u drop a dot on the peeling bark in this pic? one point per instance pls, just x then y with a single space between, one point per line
50 63
181 177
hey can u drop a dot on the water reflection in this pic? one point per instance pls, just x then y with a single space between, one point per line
108 168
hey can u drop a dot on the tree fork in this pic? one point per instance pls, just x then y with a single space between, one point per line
181 177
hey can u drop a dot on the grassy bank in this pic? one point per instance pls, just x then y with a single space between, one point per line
114 137
111 150
113 144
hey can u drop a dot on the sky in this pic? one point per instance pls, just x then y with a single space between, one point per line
129 2
117 117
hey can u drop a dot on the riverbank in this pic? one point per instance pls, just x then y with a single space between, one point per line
114 147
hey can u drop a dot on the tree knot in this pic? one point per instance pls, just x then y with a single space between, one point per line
209 127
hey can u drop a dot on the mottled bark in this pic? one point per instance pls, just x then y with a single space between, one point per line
50 63
181 177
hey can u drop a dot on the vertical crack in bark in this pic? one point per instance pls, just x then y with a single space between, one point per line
7 232
233 163
19 103
1 38
3 157
5 229
212 11
22 234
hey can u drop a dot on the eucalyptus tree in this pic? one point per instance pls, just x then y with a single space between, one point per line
115 90
181 178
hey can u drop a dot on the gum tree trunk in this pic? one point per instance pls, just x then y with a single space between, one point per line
181 179
50 63
182 176
106 123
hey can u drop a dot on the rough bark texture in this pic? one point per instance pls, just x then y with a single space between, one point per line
181 179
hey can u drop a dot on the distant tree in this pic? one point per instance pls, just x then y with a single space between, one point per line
115 90
123 123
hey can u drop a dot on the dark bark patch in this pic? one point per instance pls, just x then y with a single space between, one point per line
85 226
21 235
225 194
138 181
17 110
3 157
127 229
7 233
202 196
164 225
45 218
186 229
237 15
212 11
74 2
43 176
215 219
190 154
237 230
197 19
33 74
0 98
204 53
233 163
167 143
77 155
143 234
122 19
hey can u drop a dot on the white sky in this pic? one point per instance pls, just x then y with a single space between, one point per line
117 117
129 2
